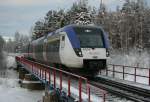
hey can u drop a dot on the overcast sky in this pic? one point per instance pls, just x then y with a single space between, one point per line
20 15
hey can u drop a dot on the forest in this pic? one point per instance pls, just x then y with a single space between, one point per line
128 27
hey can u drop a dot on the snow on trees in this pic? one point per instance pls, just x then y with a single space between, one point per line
78 14
128 26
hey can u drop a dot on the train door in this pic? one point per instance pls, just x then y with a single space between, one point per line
62 42
62 46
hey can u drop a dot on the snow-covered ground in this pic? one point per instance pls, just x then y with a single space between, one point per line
10 90
133 58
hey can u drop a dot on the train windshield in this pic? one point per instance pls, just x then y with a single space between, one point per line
89 37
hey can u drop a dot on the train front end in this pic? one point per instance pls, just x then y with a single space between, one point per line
90 45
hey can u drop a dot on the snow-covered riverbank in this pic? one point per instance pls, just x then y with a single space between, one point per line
10 91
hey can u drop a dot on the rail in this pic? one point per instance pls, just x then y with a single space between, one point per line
45 73
134 72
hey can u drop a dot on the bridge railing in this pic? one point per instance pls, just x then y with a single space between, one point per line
129 73
49 74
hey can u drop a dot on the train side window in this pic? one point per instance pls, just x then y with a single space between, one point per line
63 38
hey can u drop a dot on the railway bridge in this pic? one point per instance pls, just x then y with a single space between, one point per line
74 88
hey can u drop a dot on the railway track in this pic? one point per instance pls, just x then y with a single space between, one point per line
121 89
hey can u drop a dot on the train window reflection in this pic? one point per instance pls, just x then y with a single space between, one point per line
89 37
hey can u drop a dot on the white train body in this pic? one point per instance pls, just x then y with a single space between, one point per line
76 47
69 58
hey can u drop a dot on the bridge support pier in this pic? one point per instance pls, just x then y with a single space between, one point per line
32 85
22 73
56 95
51 96
29 81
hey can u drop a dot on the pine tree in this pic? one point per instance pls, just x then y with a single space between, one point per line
2 42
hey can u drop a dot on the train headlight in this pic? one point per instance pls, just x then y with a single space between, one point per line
78 52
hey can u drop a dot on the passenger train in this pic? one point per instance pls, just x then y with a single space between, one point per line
81 49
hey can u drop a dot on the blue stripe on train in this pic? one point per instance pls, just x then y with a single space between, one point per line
75 41
72 37
105 40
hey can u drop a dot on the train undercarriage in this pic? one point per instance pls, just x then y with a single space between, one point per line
90 68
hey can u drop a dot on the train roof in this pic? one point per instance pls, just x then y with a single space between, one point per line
72 26
75 25
71 34
66 28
